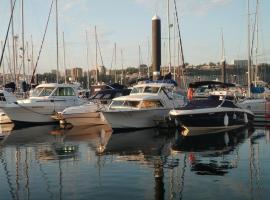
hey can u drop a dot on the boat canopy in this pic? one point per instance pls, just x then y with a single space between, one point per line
210 102
211 84
53 90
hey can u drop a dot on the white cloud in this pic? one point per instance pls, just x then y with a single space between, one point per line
198 7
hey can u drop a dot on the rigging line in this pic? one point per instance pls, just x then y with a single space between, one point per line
179 34
43 39
10 20
181 46
100 53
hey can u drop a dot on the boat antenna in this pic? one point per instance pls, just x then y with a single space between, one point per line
41 46
5 42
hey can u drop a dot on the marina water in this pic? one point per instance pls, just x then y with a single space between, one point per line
47 162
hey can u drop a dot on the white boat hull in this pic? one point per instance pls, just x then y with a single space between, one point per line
134 119
260 108
81 119
40 114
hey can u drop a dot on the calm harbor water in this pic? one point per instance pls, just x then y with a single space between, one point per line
46 162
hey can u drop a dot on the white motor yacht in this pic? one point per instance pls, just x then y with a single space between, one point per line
146 104
89 113
5 97
44 100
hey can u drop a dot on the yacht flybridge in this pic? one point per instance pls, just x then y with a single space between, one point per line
44 100
147 103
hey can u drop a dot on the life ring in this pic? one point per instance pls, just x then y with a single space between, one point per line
226 120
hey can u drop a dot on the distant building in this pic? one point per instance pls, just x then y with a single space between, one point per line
101 70
240 63
68 72
76 73
143 70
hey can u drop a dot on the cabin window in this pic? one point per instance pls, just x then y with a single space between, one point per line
116 104
151 104
125 104
2 97
64 91
36 92
46 91
134 104
136 90
151 89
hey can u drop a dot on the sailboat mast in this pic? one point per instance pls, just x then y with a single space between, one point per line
140 62
115 74
32 54
57 52
223 60
257 42
96 54
28 62
23 49
13 42
87 58
169 35
149 63
181 47
174 47
64 52
122 73
3 65
249 60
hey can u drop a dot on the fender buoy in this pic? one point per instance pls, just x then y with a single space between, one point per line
234 116
226 120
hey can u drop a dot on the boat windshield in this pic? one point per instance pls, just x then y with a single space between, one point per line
146 104
136 90
116 105
147 89
151 104
151 89
42 91
64 91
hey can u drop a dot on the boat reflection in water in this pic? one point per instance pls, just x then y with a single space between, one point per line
206 153
5 130
96 136
95 163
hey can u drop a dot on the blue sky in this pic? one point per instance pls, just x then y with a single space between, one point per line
128 24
